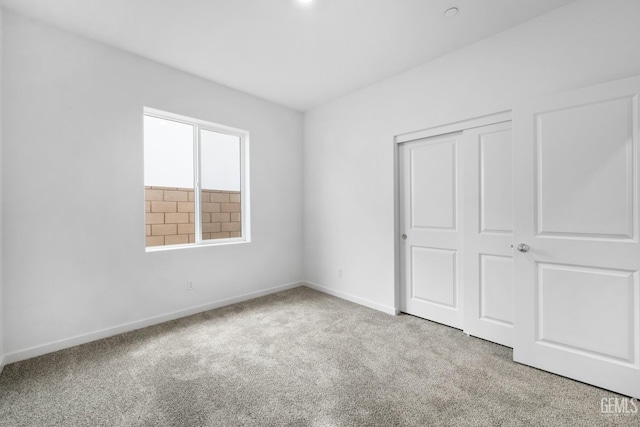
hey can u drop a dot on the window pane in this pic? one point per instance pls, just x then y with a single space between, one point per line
168 182
220 175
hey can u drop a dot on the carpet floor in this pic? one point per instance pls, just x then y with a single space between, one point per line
296 358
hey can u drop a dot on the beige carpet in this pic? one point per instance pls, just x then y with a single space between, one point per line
296 358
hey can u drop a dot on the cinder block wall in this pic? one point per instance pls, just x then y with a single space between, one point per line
170 218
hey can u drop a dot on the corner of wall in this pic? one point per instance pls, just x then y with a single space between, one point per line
1 222
352 298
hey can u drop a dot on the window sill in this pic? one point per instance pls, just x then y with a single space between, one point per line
219 242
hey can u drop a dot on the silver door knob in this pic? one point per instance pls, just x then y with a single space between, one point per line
404 237
523 247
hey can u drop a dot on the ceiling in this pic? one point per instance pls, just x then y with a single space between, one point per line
294 54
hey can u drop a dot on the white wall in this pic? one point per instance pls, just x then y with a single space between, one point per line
348 144
1 209
73 195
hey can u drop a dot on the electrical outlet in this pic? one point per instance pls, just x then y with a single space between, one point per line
340 273
190 286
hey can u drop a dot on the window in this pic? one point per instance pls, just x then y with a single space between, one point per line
195 182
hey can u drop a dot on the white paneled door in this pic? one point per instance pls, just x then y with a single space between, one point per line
430 223
488 236
576 275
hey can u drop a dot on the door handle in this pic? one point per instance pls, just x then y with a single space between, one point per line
523 247
404 237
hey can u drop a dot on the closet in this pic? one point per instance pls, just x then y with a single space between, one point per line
526 232
455 205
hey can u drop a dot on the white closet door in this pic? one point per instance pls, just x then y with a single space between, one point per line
488 237
577 297
429 200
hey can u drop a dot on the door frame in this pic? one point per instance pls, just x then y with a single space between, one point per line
470 123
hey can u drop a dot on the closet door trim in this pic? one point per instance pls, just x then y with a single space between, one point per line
491 119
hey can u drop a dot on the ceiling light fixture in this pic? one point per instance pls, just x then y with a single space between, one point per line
452 11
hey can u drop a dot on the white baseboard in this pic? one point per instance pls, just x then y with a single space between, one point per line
109 332
2 363
349 297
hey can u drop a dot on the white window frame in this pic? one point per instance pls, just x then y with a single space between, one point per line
243 135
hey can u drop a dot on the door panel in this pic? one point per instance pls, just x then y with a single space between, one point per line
494 178
429 195
569 296
433 178
488 260
577 300
434 276
592 197
496 289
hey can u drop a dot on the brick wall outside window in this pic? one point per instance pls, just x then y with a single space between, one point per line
170 218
